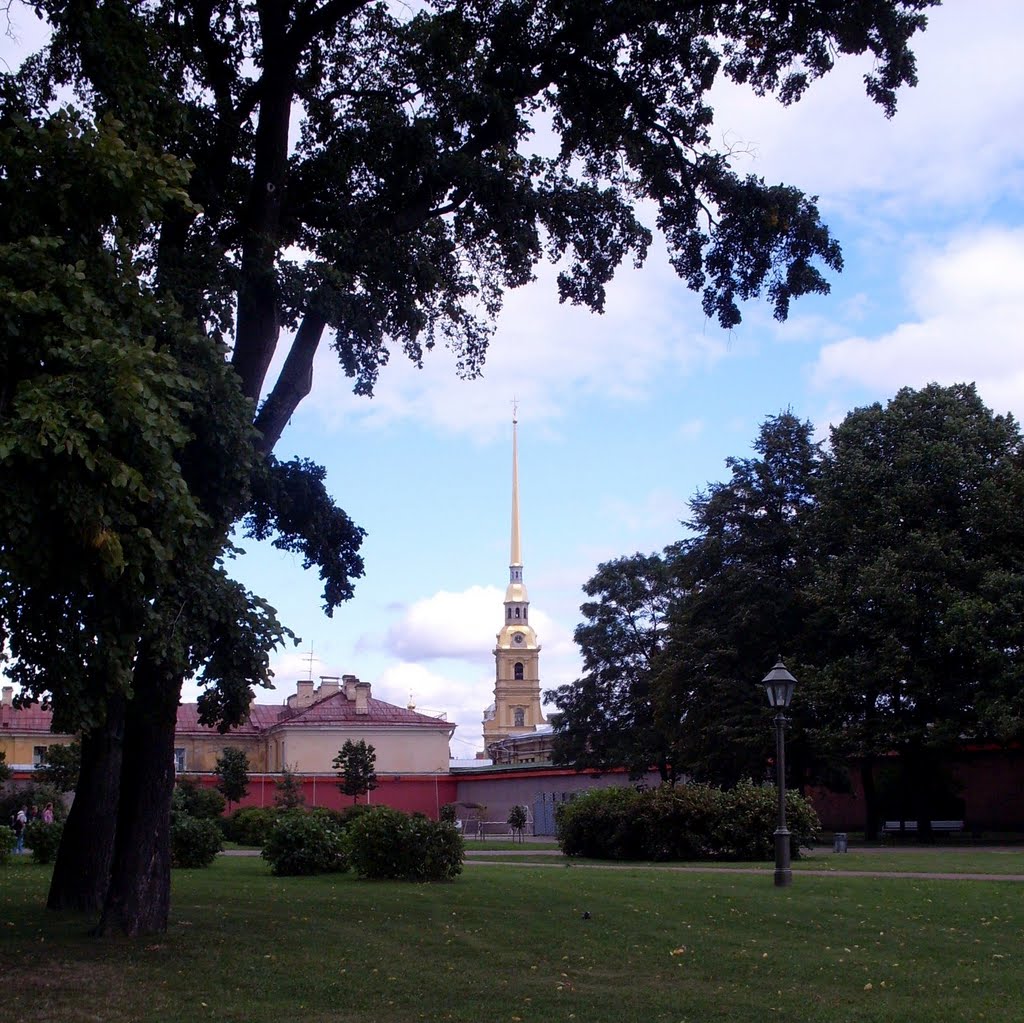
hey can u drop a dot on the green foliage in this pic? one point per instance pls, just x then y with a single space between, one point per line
355 766
7 843
743 579
300 844
5 768
232 772
195 841
251 825
288 792
684 822
61 765
390 845
517 820
43 839
197 800
448 813
609 717
13 800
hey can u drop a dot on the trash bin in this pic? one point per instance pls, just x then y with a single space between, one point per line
839 842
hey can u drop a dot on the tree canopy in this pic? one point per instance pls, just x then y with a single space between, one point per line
888 569
355 765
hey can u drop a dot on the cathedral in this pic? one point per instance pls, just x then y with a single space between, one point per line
516 708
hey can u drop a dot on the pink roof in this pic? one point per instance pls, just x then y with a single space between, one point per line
27 719
337 709
333 710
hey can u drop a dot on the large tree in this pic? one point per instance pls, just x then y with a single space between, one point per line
741 603
920 585
366 173
609 716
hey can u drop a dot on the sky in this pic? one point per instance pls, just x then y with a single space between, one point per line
623 417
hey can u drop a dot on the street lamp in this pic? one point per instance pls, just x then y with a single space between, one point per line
778 686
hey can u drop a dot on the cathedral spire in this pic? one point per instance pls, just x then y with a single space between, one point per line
516 557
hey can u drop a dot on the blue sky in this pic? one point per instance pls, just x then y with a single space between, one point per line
622 417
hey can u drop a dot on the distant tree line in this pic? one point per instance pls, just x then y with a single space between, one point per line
886 567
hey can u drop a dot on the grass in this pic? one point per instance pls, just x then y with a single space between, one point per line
930 861
511 944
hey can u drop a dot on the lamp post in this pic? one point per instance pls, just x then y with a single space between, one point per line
778 686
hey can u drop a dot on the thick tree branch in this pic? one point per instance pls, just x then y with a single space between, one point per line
292 385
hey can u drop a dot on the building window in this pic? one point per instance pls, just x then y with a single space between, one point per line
179 760
517 671
510 612
517 612
38 756
520 717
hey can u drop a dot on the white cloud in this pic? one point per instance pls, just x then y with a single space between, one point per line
952 141
967 308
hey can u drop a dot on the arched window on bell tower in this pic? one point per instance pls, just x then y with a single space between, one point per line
517 671
520 718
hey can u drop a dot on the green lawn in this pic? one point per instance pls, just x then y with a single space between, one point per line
914 860
510 944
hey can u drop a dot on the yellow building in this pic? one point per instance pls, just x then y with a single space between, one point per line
516 709
303 734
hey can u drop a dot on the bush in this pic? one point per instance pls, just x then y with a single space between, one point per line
448 813
43 839
195 841
197 801
7 840
251 825
390 845
301 844
599 824
688 822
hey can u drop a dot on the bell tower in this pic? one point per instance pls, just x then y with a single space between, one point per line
516 708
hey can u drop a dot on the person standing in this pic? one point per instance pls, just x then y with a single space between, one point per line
20 820
48 813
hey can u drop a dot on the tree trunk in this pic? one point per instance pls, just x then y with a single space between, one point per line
867 780
139 897
81 873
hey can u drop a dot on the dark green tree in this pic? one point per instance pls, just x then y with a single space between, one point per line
355 764
289 792
232 772
61 765
741 602
920 585
609 716
410 186
5 768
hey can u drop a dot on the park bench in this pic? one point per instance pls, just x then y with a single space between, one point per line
890 829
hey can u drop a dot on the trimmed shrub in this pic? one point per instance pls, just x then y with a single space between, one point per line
390 845
448 813
7 840
251 825
197 801
600 824
195 841
687 822
300 844
43 839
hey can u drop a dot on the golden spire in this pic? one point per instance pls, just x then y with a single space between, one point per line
517 554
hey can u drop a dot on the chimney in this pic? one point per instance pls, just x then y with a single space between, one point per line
349 682
8 695
303 695
329 686
6 710
362 697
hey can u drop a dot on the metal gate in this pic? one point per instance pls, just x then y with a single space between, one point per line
544 805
